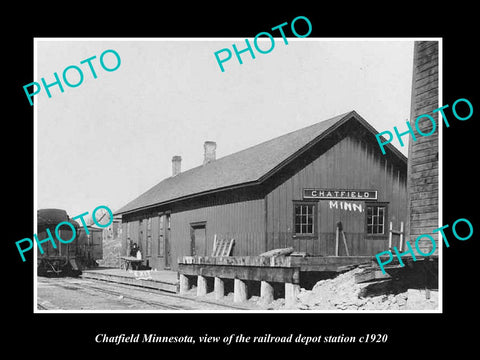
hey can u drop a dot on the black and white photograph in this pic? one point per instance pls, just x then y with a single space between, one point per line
283 207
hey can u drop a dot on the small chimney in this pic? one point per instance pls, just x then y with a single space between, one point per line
209 155
176 165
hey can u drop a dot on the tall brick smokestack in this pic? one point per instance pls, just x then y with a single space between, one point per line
423 153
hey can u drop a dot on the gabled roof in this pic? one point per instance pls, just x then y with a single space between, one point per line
249 166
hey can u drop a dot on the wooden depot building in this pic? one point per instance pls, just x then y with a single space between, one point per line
291 191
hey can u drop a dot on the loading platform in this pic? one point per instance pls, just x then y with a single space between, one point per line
287 270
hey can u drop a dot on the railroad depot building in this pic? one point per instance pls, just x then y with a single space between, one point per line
291 191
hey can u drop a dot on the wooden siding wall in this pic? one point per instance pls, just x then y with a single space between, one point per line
156 261
238 214
124 249
244 221
353 163
131 230
423 153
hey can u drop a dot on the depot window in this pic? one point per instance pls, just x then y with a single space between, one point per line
304 219
376 219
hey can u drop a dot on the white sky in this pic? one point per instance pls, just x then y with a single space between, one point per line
112 138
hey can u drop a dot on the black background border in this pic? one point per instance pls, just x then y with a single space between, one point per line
407 332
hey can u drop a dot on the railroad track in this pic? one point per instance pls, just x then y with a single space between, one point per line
187 302
155 304
165 294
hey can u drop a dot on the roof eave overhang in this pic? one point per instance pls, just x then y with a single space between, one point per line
187 197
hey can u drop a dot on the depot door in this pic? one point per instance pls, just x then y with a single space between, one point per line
163 254
167 242
198 233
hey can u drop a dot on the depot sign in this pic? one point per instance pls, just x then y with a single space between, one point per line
335 194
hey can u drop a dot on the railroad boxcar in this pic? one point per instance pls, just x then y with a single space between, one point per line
66 258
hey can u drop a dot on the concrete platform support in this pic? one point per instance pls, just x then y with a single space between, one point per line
239 291
219 288
266 292
291 292
184 284
201 285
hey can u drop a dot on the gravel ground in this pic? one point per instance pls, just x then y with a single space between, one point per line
342 293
